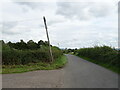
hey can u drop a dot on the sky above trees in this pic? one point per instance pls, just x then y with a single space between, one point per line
70 24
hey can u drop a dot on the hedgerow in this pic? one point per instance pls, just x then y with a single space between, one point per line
101 54
13 56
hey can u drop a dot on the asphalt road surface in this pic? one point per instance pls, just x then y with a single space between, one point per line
77 73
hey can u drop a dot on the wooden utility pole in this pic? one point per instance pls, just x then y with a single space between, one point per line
50 50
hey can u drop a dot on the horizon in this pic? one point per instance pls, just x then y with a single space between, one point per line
64 47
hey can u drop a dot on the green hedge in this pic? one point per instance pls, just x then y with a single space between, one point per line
103 54
12 56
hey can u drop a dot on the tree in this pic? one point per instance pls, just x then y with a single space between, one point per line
32 45
46 43
18 45
2 42
43 43
23 45
12 45
40 43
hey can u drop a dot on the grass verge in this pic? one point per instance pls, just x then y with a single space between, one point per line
59 63
110 67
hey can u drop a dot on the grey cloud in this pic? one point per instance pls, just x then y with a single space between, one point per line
29 4
9 25
52 22
33 5
5 32
82 10
99 9
65 9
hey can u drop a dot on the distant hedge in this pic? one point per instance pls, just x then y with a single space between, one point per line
103 54
12 56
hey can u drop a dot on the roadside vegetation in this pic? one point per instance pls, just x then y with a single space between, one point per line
58 63
102 55
22 57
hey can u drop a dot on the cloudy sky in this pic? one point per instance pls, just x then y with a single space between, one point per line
70 24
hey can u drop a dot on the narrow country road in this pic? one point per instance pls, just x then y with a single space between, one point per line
80 73
77 73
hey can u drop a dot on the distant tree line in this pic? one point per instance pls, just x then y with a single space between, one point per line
30 52
29 45
69 50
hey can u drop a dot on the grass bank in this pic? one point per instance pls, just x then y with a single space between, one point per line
108 66
58 63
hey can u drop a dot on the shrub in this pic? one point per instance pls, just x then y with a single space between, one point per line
11 56
103 54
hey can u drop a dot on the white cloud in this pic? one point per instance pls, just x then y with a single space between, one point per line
69 24
84 10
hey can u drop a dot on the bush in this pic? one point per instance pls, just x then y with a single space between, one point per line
103 54
11 56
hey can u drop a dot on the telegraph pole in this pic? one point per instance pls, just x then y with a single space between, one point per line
50 50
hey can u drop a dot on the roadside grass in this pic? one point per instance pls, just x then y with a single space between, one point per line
108 66
58 63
